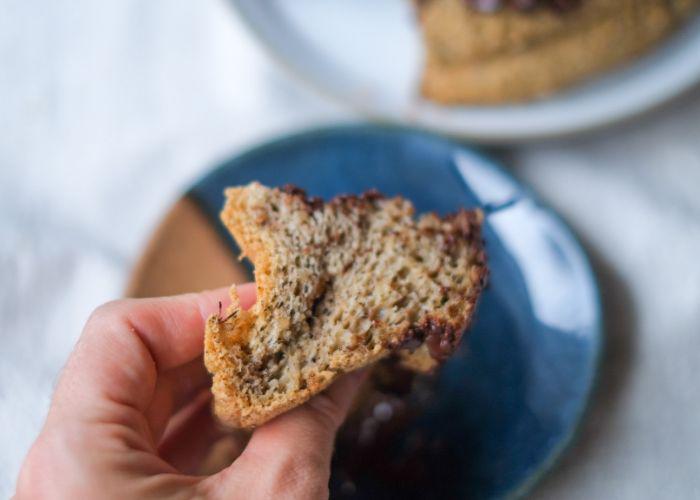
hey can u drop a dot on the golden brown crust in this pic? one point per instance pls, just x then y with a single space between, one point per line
329 300
479 58
228 406
440 336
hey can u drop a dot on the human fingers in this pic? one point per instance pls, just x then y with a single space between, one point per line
291 454
188 440
175 390
126 344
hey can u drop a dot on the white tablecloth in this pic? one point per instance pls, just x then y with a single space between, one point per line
109 109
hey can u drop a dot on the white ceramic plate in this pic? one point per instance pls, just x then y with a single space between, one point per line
368 54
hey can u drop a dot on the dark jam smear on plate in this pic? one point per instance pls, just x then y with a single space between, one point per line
384 451
521 5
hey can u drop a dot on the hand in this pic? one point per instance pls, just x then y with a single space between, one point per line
130 417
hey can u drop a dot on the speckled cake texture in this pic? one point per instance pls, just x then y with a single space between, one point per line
340 285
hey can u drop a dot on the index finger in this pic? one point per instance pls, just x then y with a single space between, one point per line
126 343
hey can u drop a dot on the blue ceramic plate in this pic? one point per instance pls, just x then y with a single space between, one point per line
508 404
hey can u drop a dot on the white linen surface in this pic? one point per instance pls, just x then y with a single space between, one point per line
109 109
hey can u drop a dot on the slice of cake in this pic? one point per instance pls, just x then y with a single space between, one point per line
494 51
340 285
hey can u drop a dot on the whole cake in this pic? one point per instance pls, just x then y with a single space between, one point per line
495 51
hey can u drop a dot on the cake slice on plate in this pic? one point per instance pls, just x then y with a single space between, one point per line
495 51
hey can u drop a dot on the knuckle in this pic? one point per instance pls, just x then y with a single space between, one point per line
110 312
105 312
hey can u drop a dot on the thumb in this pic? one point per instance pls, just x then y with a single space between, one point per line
311 428
290 456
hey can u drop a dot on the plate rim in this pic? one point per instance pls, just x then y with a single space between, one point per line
549 463
668 93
